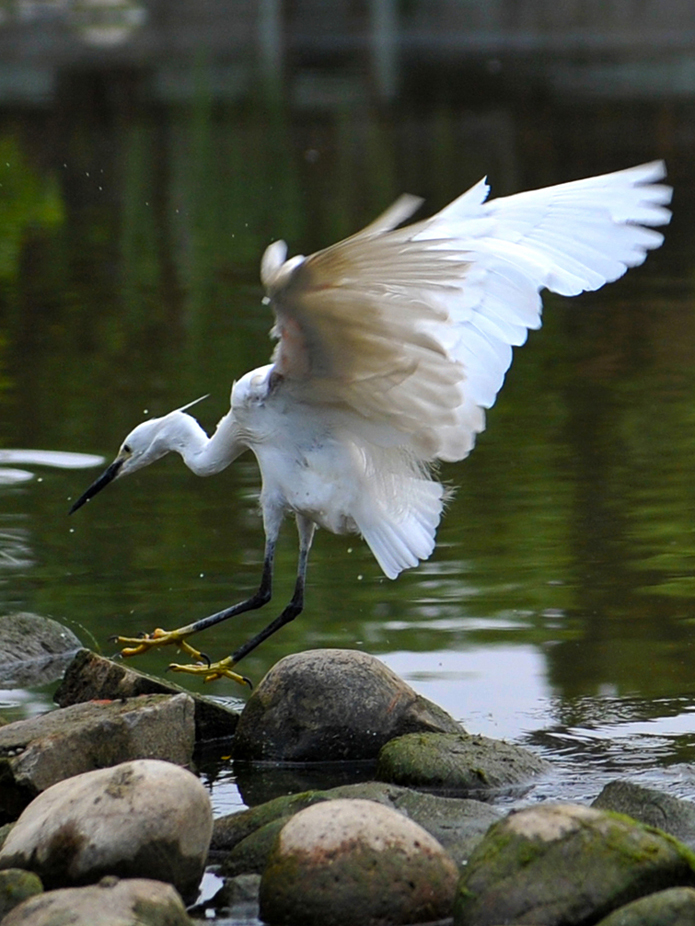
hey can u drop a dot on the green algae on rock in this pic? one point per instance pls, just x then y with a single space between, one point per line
672 907
331 705
458 762
246 836
566 863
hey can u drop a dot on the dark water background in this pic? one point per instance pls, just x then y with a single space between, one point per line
558 610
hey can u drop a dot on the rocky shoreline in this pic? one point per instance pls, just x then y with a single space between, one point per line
105 821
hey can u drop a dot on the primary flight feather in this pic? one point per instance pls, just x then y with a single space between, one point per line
390 346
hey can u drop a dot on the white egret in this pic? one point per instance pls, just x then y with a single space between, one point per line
390 346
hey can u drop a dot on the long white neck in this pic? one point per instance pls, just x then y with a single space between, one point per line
205 455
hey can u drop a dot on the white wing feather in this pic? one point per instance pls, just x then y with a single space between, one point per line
405 334
413 327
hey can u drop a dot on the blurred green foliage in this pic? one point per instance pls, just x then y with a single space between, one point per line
30 203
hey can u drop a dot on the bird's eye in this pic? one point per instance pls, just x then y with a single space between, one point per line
126 449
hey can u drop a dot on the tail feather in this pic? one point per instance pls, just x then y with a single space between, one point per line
402 534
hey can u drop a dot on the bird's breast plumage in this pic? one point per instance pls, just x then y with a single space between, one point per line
308 472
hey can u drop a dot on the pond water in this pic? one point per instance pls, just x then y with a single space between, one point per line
558 609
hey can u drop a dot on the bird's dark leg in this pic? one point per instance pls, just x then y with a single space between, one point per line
296 604
133 646
224 667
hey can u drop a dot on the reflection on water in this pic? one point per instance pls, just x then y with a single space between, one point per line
10 475
15 552
562 585
57 458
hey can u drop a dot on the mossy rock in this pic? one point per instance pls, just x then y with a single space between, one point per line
347 862
457 762
16 885
244 837
673 815
565 863
232 829
250 856
673 907
331 705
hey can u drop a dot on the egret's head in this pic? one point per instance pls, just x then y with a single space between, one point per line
142 446
146 443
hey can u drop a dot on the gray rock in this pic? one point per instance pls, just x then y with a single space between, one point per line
247 836
566 863
34 650
331 704
460 763
38 752
230 830
15 886
90 677
250 856
145 818
668 813
457 762
344 862
673 907
459 824
133 902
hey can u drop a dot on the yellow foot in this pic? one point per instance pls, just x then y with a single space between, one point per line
133 646
213 670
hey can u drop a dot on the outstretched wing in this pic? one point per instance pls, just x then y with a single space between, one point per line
411 329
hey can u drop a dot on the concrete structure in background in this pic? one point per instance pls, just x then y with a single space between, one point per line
320 52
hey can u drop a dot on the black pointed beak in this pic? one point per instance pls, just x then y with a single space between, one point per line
106 477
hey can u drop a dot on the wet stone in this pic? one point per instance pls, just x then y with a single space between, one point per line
566 863
34 650
91 677
112 902
243 840
38 752
145 818
355 863
328 705
459 824
250 855
673 907
652 807
459 763
16 885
